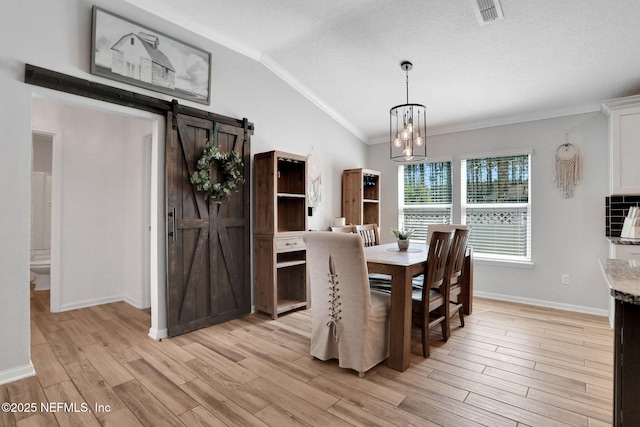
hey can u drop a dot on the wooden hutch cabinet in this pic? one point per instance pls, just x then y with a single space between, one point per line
361 196
280 217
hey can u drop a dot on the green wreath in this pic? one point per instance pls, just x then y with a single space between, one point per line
231 164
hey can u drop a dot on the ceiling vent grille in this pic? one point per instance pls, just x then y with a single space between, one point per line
488 11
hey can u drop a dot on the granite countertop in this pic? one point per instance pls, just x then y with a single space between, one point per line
623 241
623 278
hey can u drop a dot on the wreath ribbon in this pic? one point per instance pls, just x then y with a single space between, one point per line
231 165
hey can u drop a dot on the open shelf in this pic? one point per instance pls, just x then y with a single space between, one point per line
279 221
361 196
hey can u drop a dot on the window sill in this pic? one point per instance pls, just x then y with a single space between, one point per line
503 262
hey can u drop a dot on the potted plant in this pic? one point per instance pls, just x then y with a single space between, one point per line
403 237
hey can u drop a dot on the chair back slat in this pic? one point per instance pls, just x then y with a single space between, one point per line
455 264
436 267
369 233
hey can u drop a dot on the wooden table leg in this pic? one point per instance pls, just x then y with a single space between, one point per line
400 320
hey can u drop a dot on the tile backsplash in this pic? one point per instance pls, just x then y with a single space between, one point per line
617 208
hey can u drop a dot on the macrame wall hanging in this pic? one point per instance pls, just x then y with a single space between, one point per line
568 168
315 179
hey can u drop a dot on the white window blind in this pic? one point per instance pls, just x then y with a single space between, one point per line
424 196
496 204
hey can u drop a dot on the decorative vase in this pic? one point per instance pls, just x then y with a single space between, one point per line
403 244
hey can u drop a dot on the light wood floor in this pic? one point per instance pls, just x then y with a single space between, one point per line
511 365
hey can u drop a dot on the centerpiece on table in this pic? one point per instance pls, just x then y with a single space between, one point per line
403 237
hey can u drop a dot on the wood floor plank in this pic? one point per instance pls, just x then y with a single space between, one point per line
89 320
245 396
295 405
36 335
76 333
66 349
115 345
275 416
48 368
513 412
335 373
120 418
27 390
77 413
500 383
146 408
580 373
165 363
200 417
364 402
212 342
108 367
591 409
218 404
355 415
235 371
6 417
511 365
161 387
94 389
292 384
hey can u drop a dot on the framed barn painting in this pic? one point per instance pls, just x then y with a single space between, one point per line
128 52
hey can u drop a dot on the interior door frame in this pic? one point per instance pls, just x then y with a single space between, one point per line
156 242
58 86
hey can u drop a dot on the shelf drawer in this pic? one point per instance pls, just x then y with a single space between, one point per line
289 243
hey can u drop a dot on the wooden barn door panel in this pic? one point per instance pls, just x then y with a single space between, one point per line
207 251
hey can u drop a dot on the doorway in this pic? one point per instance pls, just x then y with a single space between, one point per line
105 186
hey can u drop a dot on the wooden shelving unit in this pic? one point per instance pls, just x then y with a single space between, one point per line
280 217
361 196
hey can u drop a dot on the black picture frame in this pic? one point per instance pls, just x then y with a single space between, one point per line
128 52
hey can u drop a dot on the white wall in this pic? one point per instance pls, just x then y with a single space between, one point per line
567 234
59 38
102 204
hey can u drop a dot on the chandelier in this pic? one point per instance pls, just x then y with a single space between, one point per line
408 128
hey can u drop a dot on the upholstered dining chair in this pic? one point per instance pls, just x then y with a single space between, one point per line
369 233
429 301
349 322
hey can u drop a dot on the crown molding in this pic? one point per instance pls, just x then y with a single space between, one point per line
296 84
259 56
615 104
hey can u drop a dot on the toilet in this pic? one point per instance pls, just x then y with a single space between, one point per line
42 269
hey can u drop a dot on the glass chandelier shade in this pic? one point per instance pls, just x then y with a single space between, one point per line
408 128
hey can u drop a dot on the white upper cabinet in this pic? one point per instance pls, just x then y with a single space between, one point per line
624 144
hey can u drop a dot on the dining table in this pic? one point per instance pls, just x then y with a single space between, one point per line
402 265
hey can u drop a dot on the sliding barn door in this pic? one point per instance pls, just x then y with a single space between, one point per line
208 244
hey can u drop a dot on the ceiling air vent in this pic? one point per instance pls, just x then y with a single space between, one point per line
488 11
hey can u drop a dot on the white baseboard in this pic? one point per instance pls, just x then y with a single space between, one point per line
543 303
158 334
135 303
90 303
18 373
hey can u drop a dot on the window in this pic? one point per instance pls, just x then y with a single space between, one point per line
424 196
496 203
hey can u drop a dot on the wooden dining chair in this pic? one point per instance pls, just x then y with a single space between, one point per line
429 301
455 266
443 227
369 233
343 228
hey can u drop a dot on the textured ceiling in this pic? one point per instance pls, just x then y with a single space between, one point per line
545 58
